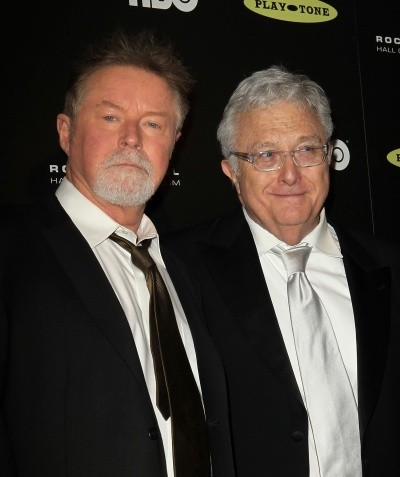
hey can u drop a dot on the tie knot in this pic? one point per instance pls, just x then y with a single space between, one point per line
139 253
295 259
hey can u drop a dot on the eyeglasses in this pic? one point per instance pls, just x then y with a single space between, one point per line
267 161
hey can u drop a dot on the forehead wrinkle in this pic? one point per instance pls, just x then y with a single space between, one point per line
109 104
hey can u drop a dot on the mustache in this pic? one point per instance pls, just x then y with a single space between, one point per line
134 158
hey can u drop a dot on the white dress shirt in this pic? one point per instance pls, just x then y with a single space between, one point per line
325 271
130 286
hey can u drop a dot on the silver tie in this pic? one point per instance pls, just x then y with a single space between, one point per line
328 395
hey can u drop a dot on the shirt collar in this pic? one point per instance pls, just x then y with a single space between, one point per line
323 237
94 224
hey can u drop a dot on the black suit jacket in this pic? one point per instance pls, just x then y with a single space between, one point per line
74 401
268 419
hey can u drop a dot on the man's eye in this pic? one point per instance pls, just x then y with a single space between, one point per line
307 148
109 118
267 154
154 125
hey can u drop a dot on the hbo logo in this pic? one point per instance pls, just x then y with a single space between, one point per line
183 5
340 155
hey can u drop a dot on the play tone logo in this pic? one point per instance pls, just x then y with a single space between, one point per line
394 157
299 11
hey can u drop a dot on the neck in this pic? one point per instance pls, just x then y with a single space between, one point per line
292 235
290 238
129 217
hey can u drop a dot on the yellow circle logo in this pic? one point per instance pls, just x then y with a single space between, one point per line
394 157
300 11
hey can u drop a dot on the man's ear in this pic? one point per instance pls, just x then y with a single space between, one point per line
63 128
228 171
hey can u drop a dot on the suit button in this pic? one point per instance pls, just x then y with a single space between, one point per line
153 433
298 436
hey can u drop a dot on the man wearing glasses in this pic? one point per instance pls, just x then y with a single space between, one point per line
305 315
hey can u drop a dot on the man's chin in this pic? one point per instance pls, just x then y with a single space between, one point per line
129 197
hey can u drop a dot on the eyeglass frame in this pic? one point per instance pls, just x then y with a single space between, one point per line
251 157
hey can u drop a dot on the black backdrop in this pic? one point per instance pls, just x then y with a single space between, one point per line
351 47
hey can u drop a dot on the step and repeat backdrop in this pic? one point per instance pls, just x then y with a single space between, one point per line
350 47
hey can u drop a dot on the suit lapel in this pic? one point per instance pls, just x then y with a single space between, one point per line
91 284
235 267
371 297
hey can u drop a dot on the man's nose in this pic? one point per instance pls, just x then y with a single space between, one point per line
130 136
289 172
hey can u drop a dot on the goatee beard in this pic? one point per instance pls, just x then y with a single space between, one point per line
118 183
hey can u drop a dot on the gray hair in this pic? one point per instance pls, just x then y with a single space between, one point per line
265 88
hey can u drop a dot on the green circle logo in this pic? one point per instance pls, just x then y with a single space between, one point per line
300 11
394 157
